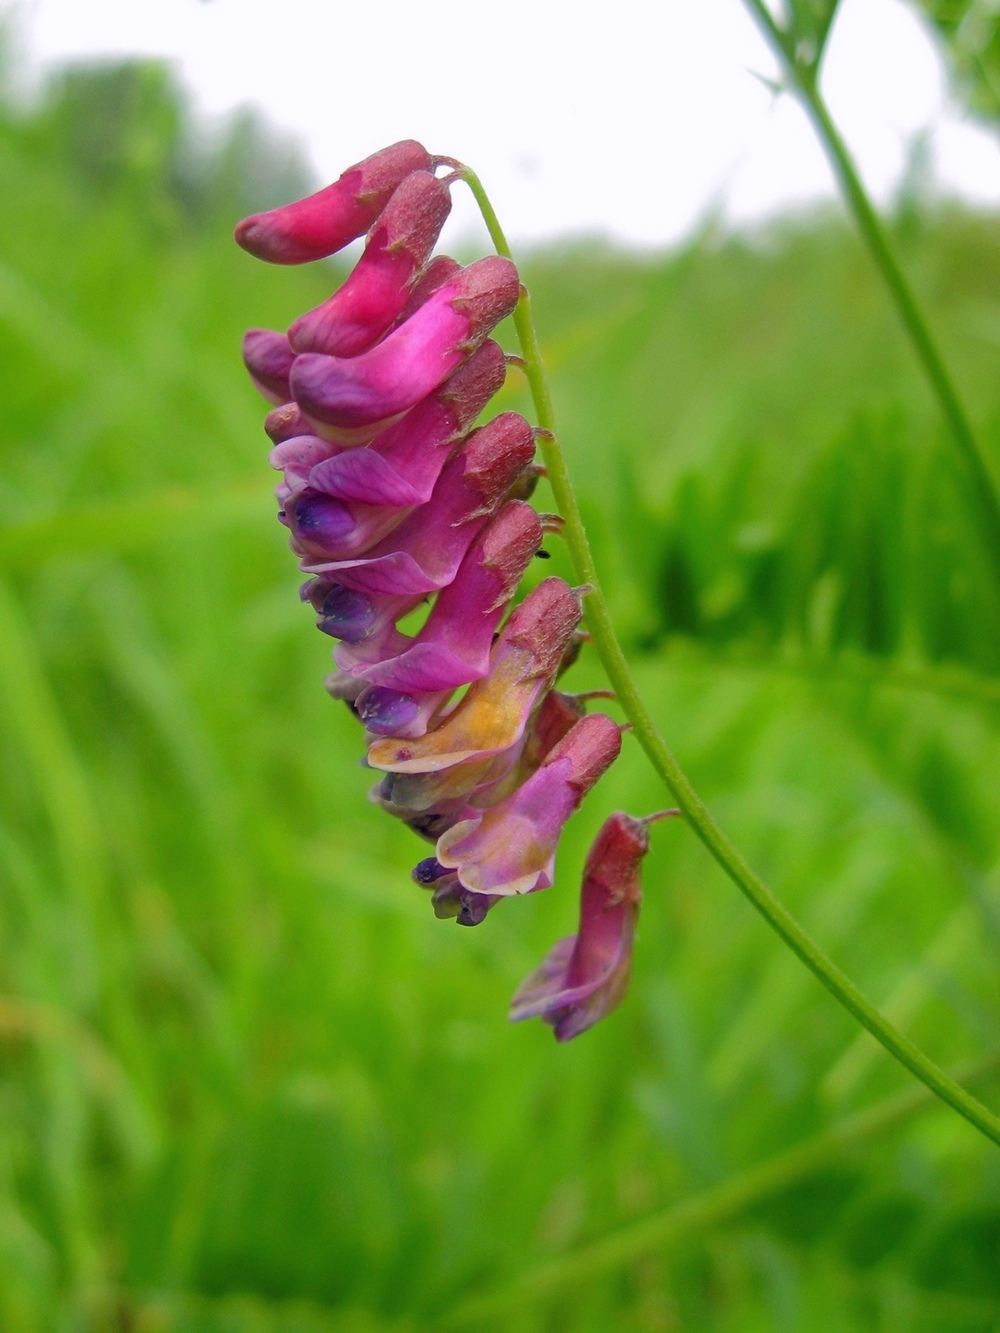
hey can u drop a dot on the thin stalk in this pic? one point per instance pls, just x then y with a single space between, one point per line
599 622
709 1208
804 84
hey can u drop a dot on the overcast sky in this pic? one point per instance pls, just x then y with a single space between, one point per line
631 117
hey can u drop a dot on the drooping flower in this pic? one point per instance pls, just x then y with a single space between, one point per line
493 715
326 221
403 691
586 975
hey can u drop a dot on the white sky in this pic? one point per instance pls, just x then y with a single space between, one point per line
631 118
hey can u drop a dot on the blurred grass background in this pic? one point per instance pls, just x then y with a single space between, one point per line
247 1082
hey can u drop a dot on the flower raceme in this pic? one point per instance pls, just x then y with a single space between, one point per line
392 495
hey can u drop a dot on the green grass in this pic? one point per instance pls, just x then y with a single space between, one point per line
247 1082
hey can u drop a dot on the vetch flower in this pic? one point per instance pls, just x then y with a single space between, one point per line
402 464
375 295
493 715
453 647
510 848
354 394
268 357
326 221
423 554
586 975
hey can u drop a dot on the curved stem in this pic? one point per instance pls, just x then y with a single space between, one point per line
803 81
599 622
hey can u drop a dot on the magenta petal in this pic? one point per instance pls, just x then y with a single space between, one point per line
411 361
268 357
424 553
325 222
453 648
349 392
377 291
422 669
364 476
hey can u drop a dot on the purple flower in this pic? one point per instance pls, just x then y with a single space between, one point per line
268 358
325 222
423 554
344 613
586 975
453 647
355 394
402 464
376 293
510 848
492 717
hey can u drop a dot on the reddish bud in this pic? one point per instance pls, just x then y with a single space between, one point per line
326 221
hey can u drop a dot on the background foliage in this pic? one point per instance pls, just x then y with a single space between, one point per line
246 1081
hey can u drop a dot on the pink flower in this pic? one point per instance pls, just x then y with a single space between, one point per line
586 975
402 464
492 717
423 554
404 692
375 294
353 394
510 848
268 359
325 222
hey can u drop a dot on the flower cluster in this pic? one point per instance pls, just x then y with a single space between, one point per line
392 495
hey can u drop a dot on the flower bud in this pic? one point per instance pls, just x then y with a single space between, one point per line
586 975
375 294
355 393
325 222
510 848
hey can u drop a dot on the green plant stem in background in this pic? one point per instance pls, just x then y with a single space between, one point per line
803 82
599 622
718 1204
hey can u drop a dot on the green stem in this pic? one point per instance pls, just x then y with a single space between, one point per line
804 84
599 622
717 1204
